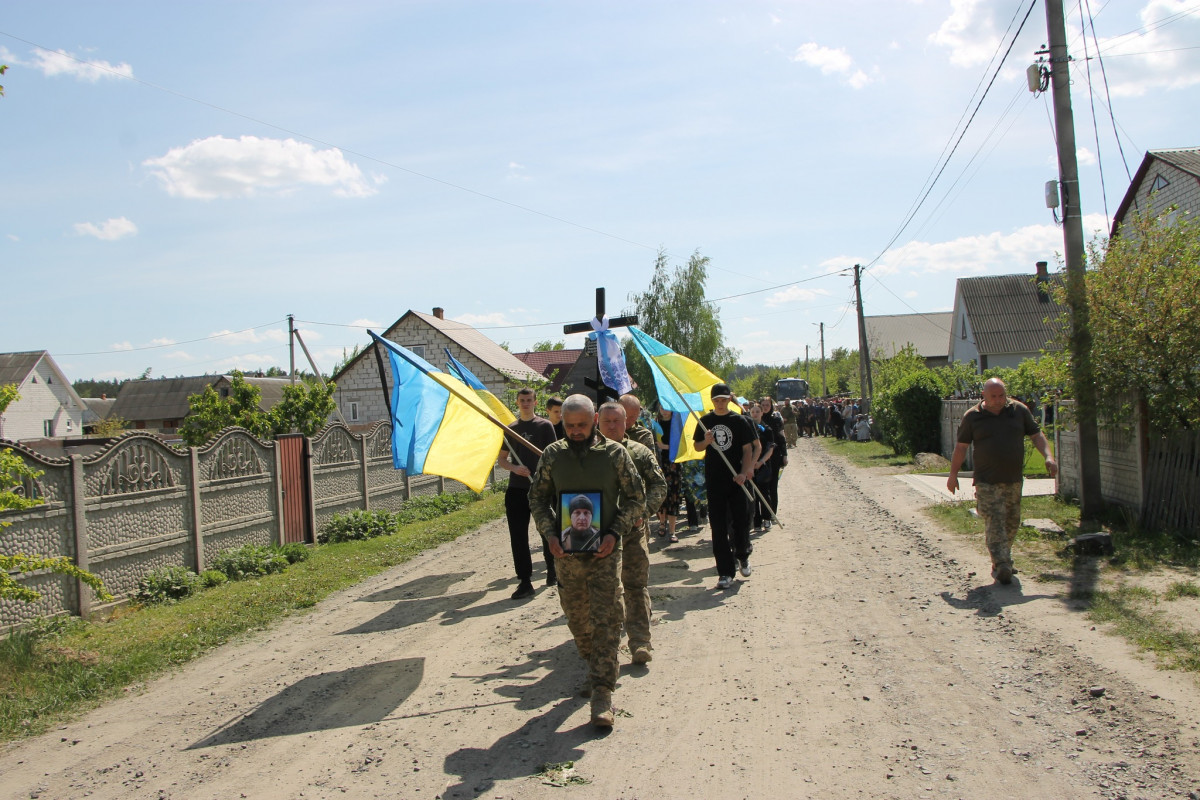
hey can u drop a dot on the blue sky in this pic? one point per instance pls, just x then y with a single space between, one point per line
179 177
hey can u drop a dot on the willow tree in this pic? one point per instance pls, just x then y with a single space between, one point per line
673 310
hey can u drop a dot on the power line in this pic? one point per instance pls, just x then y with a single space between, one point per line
173 344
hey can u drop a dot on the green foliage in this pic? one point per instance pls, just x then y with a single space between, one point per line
294 552
1145 321
1036 379
546 345
94 388
421 509
356 525
908 413
212 577
347 357
1180 589
110 426
21 563
305 407
249 561
760 383
167 584
673 310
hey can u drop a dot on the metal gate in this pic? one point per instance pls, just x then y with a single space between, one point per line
296 476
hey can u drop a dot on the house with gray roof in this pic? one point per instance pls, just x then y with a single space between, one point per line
888 334
360 395
161 404
1164 179
49 407
1002 320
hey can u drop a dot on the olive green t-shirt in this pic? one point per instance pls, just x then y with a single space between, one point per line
999 441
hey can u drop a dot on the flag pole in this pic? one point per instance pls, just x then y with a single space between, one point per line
486 415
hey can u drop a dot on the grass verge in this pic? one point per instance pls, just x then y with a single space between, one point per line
51 673
1130 611
865 454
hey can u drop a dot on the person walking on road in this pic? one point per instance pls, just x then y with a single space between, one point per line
997 426
635 547
722 431
540 433
589 587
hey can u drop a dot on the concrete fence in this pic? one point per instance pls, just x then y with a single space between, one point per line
140 504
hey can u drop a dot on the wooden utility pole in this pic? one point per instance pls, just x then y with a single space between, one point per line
824 385
1082 372
807 371
292 347
864 353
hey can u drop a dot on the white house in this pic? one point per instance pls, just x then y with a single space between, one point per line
1001 320
49 406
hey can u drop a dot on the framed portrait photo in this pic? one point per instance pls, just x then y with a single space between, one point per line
579 515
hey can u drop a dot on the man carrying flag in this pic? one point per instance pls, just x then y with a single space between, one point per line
722 432
540 433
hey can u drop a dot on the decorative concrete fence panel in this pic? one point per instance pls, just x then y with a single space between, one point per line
337 472
239 492
387 487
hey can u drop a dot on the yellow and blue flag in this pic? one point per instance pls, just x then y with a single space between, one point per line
682 386
460 371
439 425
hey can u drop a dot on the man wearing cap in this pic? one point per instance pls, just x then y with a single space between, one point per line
721 432
635 547
580 534
589 584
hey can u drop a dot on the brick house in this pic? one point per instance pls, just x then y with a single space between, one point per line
1165 178
359 395
49 406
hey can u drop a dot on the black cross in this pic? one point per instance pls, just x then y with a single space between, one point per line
602 392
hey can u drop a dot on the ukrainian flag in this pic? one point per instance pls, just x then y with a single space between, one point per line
459 370
682 386
439 425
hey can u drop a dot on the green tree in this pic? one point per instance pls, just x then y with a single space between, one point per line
15 474
673 310
1145 320
110 426
305 408
546 345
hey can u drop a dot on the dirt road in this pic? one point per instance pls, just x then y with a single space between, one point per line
862 659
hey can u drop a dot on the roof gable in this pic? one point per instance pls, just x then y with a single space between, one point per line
1008 314
15 367
1186 159
888 334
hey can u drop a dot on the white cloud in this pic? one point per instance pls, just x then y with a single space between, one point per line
970 32
989 252
831 61
248 166
794 294
516 172
272 335
911 294
1160 58
365 323
13 237
478 320
179 355
110 230
60 62
1085 156
162 342
122 346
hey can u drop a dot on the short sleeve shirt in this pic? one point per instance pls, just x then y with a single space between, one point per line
999 441
732 432
538 432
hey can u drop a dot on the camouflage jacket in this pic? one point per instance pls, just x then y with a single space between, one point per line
605 467
652 476
642 435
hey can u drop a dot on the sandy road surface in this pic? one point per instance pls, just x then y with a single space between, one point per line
861 659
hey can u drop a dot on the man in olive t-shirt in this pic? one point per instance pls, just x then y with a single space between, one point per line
997 426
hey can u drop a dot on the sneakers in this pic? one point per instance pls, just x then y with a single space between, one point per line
724 582
766 526
1004 574
745 568
642 655
524 590
602 710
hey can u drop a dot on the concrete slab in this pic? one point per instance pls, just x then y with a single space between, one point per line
933 486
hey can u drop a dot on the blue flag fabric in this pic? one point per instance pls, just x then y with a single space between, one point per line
610 357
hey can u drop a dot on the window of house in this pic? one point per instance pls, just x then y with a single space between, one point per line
1159 183
48 427
170 423
354 412
963 335
418 349
224 391
50 379
33 379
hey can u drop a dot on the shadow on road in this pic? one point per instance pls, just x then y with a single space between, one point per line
414 612
344 699
427 586
990 600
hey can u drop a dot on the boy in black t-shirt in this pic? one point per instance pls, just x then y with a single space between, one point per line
539 432
721 431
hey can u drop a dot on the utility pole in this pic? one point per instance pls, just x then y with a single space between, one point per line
1091 498
292 348
864 353
807 372
824 385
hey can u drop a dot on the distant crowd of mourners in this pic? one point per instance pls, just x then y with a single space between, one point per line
843 418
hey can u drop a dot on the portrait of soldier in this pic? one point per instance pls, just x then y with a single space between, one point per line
580 535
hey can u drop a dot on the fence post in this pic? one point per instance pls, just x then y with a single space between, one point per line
441 485
306 460
364 482
278 483
83 593
194 492
407 486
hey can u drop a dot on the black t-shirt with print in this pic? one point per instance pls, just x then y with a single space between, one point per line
732 432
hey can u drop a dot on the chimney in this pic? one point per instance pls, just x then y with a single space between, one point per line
1043 279
440 313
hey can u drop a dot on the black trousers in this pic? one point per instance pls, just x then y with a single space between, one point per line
516 508
729 519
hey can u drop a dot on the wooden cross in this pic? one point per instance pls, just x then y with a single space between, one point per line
602 392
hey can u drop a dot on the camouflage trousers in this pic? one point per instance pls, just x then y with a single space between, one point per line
999 505
790 433
589 590
635 577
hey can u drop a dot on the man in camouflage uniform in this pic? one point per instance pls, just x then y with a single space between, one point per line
997 426
589 585
635 547
633 427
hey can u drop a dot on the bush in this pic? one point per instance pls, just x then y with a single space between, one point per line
294 552
357 525
212 577
909 414
249 561
167 584
420 509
